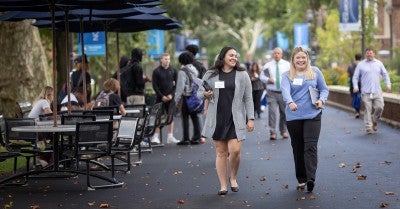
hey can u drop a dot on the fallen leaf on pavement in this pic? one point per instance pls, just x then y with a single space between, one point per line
383 205
301 198
104 205
177 173
361 177
389 193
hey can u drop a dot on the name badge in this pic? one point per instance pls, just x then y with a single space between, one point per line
298 81
220 84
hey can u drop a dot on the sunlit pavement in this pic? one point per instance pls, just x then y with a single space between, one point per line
355 170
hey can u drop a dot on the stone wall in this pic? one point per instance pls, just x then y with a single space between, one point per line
339 96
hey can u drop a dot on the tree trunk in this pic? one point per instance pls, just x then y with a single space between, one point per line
23 65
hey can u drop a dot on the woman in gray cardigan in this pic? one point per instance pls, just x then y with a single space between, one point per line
230 112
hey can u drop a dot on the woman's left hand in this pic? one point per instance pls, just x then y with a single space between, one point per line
250 125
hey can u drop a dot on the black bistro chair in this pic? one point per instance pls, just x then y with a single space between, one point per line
93 141
130 135
153 122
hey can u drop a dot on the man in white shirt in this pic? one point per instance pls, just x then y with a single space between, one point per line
272 75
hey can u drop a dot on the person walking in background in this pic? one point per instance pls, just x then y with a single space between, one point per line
163 79
133 80
183 90
194 49
77 77
303 114
197 64
369 71
230 111
272 76
257 86
356 97
42 105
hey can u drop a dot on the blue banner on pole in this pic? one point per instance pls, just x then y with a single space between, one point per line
349 17
301 35
282 41
155 39
94 43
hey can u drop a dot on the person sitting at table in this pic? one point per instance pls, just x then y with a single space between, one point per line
42 106
42 103
109 97
77 101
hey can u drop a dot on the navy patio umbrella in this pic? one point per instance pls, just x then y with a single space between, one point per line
65 5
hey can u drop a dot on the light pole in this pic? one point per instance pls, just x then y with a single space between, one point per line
389 10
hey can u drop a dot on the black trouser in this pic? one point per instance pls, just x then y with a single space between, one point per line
304 135
185 123
257 100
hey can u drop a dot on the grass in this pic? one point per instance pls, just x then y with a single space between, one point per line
7 165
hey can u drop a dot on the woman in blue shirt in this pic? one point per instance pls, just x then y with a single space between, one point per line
303 114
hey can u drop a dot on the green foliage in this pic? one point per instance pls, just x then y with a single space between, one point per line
395 80
394 63
335 76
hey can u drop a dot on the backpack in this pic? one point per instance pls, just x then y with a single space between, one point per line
103 99
194 103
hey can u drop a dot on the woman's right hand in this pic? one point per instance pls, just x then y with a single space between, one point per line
293 106
208 94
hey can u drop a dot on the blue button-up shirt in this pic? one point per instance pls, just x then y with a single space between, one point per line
369 72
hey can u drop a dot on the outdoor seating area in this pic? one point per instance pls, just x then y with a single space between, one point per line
97 144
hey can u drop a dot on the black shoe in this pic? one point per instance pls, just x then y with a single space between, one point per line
310 185
234 189
194 142
222 192
184 142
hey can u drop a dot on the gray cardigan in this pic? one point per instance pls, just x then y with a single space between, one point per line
242 105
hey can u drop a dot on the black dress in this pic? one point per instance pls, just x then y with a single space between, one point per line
225 128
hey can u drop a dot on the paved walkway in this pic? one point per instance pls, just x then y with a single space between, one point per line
184 176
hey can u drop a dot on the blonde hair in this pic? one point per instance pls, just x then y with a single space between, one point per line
45 93
111 84
166 54
309 73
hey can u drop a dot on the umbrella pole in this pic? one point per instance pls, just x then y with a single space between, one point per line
68 69
53 25
106 40
83 65
118 68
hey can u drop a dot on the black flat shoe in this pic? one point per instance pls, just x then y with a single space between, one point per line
234 189
222 192
310 185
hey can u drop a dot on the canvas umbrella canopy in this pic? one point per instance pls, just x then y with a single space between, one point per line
75 13
65 5
134 23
